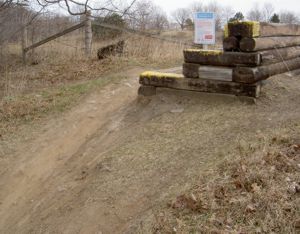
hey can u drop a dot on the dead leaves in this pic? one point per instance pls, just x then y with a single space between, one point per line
189 202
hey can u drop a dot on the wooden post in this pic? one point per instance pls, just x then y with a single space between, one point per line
88 34
24 43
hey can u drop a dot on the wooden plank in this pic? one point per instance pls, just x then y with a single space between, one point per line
265 43
220 58
251 75
253 29
215 73
231 44
57 35
278 55
192 70
199 85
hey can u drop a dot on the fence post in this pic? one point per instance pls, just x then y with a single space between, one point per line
24 43
88 34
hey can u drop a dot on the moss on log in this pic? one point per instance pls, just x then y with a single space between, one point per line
201 85
253 29
219 58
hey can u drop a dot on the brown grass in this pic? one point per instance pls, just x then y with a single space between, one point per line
56 72
258 192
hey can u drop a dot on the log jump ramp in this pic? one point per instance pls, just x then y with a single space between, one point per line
253 52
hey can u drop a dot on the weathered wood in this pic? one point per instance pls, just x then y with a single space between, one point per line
192 70
215 73
231 44
220 58
278 55
200 85
88 34
259 29
251 75
57 35
265 43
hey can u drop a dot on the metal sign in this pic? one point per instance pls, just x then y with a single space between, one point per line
205 28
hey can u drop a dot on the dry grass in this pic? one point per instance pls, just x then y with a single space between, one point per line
47 82
63 61
258 192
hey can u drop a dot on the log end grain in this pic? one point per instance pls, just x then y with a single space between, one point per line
231 44
248 44
244 75
190 70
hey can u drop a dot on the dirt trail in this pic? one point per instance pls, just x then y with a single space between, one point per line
107 164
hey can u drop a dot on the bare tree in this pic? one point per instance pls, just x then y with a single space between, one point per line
268 11
215 7
159 19
288 17
227 13
180 16
146 15
195 7
255 13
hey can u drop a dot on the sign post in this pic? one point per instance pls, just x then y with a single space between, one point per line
205 28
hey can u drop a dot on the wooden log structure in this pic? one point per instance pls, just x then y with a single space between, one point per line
231 44
250 75
253 29
175 81
220 58
191 70
265 43
278 55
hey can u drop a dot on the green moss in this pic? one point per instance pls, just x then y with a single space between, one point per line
249 28
205 52
226 32
161 75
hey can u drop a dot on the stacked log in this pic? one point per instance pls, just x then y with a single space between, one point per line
252 52
278 45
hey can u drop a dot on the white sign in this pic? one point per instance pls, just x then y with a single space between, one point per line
205 28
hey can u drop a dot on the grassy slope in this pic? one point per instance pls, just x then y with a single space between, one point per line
257 192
